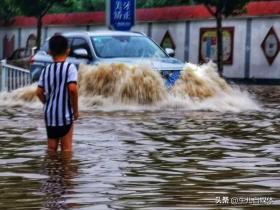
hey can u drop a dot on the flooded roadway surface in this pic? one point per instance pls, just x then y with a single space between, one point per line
165 159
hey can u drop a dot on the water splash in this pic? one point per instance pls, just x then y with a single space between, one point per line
24 96
199 82
124 84
119 86
201 88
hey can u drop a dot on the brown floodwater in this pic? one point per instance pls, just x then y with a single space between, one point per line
219 153
141 159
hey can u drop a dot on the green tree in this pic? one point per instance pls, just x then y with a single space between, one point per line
161 3
100 5
80 6
7 10
94 5
222 9
38 9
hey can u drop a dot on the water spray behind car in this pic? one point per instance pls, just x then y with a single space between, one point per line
120 86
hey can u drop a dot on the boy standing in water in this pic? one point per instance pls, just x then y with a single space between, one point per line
57 90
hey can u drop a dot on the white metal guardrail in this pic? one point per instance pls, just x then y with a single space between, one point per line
13 77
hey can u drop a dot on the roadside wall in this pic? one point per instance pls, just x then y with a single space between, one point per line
184 25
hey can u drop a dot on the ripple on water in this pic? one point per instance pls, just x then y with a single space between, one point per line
146 160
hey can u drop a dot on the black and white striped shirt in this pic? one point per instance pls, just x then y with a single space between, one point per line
54 80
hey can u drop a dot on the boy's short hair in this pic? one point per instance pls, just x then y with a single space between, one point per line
58 45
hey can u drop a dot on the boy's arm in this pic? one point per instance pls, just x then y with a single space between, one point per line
40 88
40 94
73 92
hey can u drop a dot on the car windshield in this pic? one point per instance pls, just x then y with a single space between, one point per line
126 46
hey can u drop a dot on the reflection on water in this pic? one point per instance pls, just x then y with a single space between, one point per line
166 159
61 170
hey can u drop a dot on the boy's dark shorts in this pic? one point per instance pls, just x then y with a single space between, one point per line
58 131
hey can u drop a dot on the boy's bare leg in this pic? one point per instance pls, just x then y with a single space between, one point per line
53 145
66 141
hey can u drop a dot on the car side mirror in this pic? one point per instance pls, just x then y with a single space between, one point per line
80 53
170 52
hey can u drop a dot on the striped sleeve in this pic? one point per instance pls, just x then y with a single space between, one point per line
72 76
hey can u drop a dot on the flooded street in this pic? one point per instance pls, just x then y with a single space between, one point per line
163 159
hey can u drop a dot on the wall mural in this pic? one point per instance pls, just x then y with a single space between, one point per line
208 45
8 46
167 41
270 45
31 41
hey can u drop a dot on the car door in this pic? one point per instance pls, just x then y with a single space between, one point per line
77 44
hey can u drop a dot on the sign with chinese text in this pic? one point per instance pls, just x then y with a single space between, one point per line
270 46
208 45
121 14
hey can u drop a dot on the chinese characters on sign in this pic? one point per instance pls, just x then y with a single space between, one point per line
208 45
270 46
121 14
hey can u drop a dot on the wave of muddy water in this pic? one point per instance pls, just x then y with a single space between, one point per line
181 148
118 86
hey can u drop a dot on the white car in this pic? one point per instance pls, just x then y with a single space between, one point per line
94 48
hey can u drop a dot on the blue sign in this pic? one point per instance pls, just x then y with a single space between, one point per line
121 14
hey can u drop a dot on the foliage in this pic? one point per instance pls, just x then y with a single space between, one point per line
80 6
38 8
161 3
8 10
100 5
225 7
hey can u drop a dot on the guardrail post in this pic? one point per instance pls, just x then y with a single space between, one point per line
13 77
3 77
